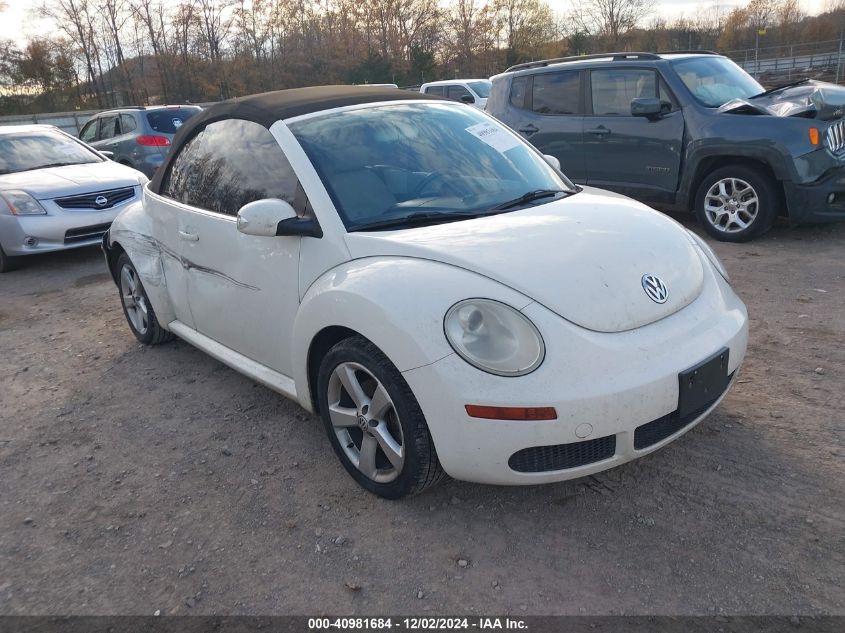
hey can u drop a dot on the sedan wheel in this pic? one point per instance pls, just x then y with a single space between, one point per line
134 300
136 305
365 422
374 422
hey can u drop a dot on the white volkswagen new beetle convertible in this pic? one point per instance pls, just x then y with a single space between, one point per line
428 283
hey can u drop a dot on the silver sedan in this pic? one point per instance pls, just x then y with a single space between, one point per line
56 192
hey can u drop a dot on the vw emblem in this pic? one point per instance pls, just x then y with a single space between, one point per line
101 201
362 423
655 288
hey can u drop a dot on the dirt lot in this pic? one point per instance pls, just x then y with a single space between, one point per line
138 479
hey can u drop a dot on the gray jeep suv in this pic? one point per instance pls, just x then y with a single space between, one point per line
685 131
137 136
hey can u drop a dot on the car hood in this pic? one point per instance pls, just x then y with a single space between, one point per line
583 257
55 182
811 99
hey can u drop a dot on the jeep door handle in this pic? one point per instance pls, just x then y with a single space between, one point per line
189 237
529 129
599 131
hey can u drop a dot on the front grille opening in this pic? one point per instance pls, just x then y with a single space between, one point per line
835 138
539 459
107 199
86 233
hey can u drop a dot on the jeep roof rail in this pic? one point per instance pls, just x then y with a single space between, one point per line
577 58
689 52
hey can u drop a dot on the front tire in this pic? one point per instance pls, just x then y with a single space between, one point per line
137 308
737 203
374 422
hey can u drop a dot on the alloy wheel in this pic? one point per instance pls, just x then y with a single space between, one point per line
731 205
134 299
366 423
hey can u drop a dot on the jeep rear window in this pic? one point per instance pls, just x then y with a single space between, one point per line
169 120
557 93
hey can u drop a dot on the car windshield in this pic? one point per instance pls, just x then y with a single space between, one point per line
716 80
434 161
169 120
481 88
23 151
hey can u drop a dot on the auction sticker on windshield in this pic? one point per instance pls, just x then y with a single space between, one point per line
494 136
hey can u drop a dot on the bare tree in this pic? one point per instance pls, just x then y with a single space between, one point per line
74 18
613 19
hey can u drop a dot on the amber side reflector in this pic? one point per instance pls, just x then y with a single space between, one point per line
511 413
814 135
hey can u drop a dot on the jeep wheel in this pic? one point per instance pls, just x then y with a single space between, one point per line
737 203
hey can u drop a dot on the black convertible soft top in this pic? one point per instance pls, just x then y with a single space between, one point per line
268 107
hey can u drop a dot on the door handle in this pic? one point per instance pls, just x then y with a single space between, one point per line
529 129
599 131
190 237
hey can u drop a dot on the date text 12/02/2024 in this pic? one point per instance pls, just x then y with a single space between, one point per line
413 624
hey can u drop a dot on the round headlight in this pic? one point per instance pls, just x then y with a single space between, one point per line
494 337
710 254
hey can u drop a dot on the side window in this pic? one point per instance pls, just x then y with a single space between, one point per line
109 127
89 132
557 93
229 164
127 123
613 89
440 91
519 88
459 92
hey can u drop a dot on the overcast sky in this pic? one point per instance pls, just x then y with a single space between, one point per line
18 23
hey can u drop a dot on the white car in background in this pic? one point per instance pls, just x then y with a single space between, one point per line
472 91
56 192
481 317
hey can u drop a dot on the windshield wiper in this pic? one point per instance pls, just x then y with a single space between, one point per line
416 219
791 84
525 198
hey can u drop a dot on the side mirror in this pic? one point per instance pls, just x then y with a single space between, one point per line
650 107
551 160
271 217
468 99
107 154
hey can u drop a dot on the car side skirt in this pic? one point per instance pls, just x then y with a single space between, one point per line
258 372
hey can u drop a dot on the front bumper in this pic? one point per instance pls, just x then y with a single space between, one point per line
61 229
810 203
603 386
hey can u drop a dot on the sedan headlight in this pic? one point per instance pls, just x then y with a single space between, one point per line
494 337
21 203
710 254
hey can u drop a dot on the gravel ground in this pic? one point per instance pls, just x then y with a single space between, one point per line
136 480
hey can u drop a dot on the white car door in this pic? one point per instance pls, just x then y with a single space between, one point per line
243 290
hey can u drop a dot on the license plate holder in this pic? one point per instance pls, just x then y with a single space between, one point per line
702 384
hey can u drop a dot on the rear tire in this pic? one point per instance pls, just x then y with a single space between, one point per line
7 263
136 305
374 422
737 203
